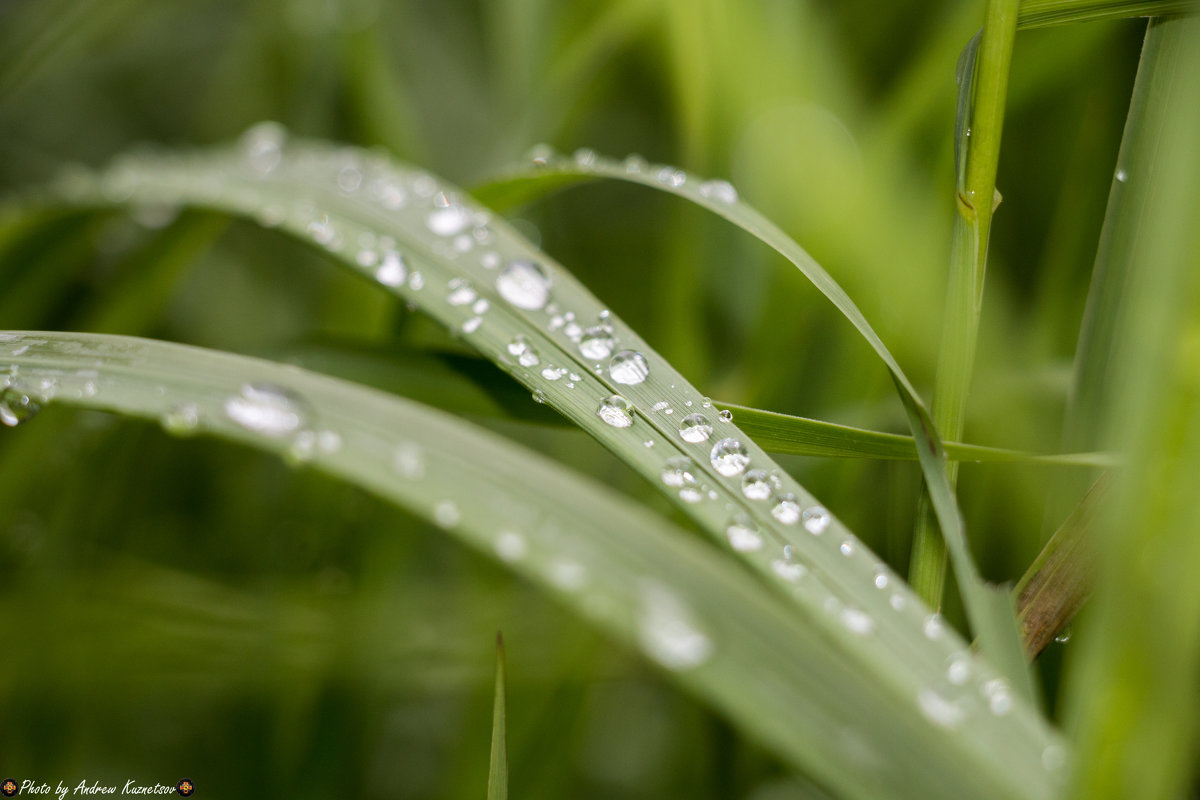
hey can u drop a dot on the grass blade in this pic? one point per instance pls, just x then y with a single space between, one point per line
985 604
796 686
1044 13
498 771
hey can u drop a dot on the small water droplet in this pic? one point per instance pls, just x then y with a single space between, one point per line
725 414
597 342
695 428
672 177
648 443
881 580
816 520
680 473
938 709
461 293
616 411
742 535
1064 635
898 602
523 350
958 669
933 626
449 218
719 190
999 698
267 409
446 514
568 575
541 154
846 548
539 396
349 179
729 457
392 271
668 632
634 164
182 419
263 146
17 406
416 282
1122 176
409 461
481 306
585 157
787 570
471 325
786 509
511 546
857 621
524 284
628 367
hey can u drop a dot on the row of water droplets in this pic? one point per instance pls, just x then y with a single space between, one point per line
730 458
454 232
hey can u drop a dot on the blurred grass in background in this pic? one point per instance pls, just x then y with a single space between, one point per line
190 608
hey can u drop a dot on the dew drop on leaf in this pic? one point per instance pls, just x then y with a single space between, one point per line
596 342
392 272
267 409
615 411
729 457
695 428
628 367
719 190
786 509
756 485
524 284
668 632
17 406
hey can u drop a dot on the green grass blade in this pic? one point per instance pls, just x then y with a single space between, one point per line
472 273
1060 579
996 627
1044 13
803 689
498 771
1132 686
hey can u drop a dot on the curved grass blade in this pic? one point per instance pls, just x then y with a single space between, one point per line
1044 13
868 728
425 242
498 771
988 607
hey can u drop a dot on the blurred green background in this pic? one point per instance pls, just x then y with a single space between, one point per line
187 608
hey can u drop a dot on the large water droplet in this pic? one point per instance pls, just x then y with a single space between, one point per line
695 428
756 485
524 284
742 536
596 342
668 632
729 457
786 509
16 406
392 271
616 411
449 218
816 520
267 409
719 190
628 367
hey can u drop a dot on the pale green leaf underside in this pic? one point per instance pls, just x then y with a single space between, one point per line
861 725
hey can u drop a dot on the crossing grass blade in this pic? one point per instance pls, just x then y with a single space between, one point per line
800 688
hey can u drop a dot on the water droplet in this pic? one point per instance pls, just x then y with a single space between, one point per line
999 698
541 154
742 536
672 177
1122 176
524 284
719 190
1064 635
628 367
267 409
616 411
322 230
938 709
446 514
846 548
648 443
787 570
182 419
471 325
881 580
680 473
461 293
857 621
725 414
416 282
729 457
695 428
958 669
756 485
392 271
898 602
263 146
585 157
816 520
349 179
511 546
539 396
481 306
667 631
596 342
523 350
634 164
449 218
933 626
568 575
786 509
409 461
17 406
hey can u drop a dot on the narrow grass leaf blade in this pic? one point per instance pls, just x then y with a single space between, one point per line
1045 13
868 728
498 771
